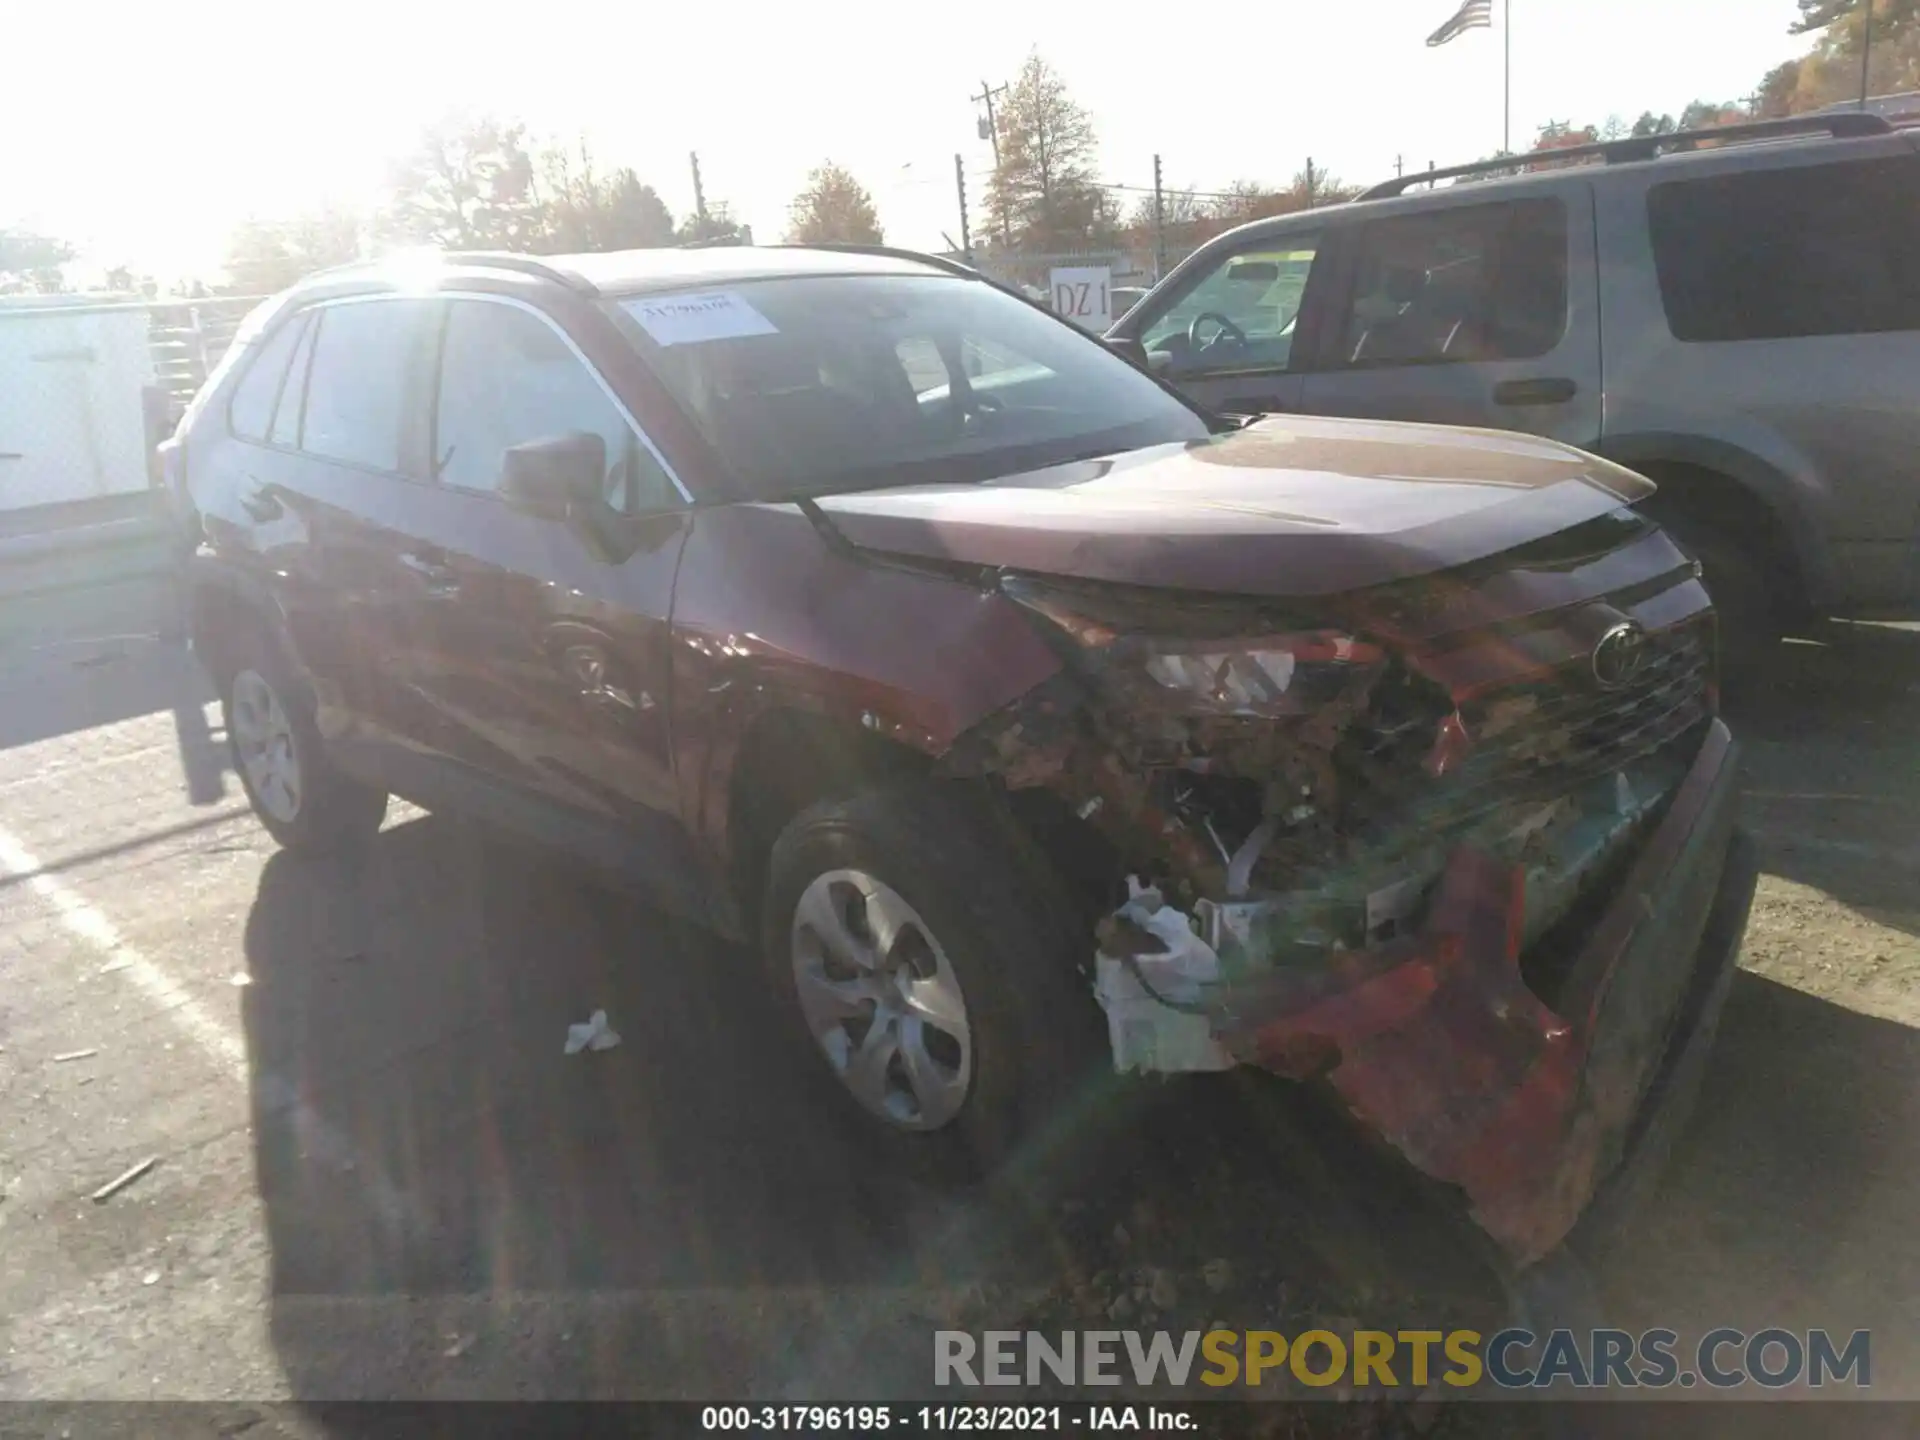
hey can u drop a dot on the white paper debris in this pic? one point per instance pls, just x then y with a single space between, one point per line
694 319
596 1034
1145 1035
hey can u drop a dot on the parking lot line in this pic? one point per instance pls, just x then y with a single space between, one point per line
227 1050
88 924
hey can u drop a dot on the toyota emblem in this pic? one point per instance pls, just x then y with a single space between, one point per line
1619 656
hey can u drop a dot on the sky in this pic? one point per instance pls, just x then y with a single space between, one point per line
143 133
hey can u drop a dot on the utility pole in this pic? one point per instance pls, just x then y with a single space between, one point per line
1309 182
985 97
1866 46
1159 224
699 198
960 184
1399 165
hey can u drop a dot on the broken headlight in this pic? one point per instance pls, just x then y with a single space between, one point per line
1198 655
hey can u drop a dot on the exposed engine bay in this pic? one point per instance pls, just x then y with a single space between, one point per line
1323 824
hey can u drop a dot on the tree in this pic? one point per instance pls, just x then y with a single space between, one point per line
1778 89
32 262
716 225
636 215
833 207
1042 195
467 185
266 256
571 208
1652 124
1831 73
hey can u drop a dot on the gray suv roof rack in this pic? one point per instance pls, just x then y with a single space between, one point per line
1844 125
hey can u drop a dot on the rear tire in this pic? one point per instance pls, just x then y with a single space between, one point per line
305 802
900 904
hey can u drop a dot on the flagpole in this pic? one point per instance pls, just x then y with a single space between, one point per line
1866 47
1506 130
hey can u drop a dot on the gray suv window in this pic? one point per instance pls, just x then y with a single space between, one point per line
1803 250
357 380
1241 314
1473 283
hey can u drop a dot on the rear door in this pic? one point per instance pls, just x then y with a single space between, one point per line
351 424
1468 312
1226 332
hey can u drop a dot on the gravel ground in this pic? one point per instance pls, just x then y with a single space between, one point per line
377 1176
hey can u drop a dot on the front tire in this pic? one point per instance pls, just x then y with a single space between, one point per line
926 979
1748 615
302 799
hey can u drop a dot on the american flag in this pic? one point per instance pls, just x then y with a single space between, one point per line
1472 15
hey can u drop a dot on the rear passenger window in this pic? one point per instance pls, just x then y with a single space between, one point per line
250 412
1807 250
356 382
1477 283
507 377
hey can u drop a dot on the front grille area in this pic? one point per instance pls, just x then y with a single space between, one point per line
1536 740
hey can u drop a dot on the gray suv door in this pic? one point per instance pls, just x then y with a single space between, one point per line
1467 311
1225 331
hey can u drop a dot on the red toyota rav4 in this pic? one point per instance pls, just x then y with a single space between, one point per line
1033 721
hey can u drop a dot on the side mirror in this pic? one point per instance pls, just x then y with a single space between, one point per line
1129 348
555 477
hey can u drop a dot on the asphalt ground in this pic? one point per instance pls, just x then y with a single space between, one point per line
377 1175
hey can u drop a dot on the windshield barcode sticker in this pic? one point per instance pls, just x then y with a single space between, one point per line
695 319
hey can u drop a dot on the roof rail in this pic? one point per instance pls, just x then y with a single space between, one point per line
481 259
891 252
521 264
1844 125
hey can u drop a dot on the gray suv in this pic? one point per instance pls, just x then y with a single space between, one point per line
1734 313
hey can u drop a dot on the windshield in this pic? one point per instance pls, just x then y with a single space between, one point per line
820 384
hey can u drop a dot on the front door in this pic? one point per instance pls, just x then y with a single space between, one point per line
545 644
1226 333
1465 312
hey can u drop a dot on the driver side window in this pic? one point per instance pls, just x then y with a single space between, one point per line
1240 314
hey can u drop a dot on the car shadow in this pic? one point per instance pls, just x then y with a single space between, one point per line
457 1208
70 686
1790 1200
1831 781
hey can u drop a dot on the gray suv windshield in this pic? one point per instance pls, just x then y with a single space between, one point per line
811 385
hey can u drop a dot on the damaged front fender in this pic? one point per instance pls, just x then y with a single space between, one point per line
1451 870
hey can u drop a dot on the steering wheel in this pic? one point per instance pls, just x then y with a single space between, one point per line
1227 328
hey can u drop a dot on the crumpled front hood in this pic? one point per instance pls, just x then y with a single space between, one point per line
1286 507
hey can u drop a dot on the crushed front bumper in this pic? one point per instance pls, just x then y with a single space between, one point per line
1438 1044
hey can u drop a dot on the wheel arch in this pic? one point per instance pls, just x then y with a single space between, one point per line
1726 485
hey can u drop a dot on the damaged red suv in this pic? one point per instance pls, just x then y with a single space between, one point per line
859 607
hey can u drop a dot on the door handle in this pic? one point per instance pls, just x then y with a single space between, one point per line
1554 390
433 572
259 501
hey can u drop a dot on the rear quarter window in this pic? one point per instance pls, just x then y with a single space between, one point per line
250 411
1796 251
